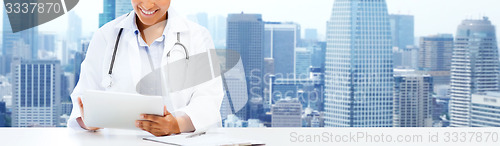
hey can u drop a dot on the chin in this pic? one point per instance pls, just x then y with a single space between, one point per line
148 22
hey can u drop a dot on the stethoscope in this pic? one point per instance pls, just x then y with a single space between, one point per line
110 72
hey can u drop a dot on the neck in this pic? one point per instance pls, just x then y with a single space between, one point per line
150 32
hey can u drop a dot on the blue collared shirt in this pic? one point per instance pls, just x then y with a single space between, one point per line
155 49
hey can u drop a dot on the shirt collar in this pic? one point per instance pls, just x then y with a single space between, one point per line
141 41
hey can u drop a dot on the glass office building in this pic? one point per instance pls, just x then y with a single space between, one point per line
474 67
402 30
435 57
280 40
122 7
108 12
245 34
359 77
36 97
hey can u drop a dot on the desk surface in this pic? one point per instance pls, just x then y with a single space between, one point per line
109 137
271 136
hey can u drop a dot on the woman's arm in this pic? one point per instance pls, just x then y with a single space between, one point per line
89 77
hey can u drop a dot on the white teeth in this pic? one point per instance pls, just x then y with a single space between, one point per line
148 12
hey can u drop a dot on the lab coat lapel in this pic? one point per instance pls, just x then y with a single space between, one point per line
168 44
134 56
174 24
129 44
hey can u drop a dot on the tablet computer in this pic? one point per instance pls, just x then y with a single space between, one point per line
106 109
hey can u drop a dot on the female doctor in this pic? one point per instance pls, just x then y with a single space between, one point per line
145 40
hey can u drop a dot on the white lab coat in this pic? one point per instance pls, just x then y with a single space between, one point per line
201 103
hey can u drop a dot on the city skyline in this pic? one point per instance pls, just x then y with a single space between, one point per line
426 13
350 78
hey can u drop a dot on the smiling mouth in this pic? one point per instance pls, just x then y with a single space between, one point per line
147 13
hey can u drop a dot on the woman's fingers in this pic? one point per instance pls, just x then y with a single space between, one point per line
159 125
80 104
165 111
143 123
153 118
151 127
93 128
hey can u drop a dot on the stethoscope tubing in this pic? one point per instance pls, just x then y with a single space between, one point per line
110 72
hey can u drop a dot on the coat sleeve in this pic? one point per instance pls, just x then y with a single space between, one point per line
90 76
204 106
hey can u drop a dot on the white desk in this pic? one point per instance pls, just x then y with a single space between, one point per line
111 137
271 136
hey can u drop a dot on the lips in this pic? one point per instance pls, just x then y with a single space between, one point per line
148 13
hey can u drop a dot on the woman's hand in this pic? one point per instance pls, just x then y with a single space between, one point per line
80 119
159 125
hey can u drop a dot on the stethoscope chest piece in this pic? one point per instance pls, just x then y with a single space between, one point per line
107 81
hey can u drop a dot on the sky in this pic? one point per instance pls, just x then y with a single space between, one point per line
431 16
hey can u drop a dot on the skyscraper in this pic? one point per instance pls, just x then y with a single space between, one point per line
302 63
412 100
108 12
435 57
245 34
36 93
280 40
122 7
402 34
318 56
474 67
359 76
402 30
